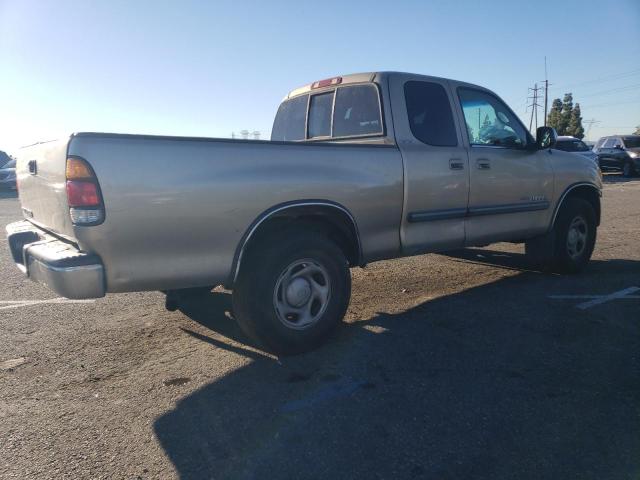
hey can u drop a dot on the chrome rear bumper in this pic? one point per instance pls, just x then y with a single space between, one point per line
55 263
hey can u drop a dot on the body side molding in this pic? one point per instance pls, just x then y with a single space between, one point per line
449 214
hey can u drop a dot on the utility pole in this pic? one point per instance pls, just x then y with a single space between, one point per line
546 91
590 122
534 106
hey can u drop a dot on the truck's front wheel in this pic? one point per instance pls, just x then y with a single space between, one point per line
292 291
567 248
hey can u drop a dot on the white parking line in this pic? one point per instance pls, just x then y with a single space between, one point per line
9 304
600 299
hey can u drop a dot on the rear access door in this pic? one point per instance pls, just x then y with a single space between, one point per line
436 176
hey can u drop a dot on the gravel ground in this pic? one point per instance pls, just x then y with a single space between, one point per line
452 366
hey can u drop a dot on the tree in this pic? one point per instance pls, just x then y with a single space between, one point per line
553 119
565 117
637 132
575 128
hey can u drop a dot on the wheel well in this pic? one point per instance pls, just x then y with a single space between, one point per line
332 221
588 193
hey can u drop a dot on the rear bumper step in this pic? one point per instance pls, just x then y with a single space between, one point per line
57 264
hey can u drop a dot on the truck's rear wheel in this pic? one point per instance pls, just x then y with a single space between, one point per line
567 248
293 291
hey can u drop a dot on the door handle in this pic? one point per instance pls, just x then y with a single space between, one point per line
456 164
483 164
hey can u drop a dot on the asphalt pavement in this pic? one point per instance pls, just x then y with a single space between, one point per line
470 365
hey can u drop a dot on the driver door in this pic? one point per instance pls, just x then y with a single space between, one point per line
511 187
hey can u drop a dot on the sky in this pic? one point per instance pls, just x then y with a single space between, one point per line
209 68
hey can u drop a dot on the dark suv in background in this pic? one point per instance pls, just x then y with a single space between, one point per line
619 153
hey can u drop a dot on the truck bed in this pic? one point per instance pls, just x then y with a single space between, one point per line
177 208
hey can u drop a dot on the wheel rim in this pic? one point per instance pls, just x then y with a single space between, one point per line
577 237
301 294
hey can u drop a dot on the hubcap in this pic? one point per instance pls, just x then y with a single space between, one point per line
577 237
301 294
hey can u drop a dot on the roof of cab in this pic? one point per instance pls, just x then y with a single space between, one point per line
367 77
345 79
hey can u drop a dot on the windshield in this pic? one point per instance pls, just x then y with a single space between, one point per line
573 145
632 142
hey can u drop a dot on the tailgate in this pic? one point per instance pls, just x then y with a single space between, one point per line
40 171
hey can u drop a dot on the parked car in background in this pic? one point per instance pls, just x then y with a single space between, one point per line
619 153
8 176
577 146
4 159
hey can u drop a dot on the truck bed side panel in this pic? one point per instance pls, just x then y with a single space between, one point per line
176 209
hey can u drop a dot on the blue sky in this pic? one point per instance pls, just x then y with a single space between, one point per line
208 68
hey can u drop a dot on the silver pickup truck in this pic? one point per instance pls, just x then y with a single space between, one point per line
359 168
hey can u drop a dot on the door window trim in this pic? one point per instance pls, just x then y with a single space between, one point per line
529 137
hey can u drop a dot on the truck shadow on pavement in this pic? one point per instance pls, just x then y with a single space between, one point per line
491 382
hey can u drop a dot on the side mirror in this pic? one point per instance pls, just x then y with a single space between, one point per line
546 137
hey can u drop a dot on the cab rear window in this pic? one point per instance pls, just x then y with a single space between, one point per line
347 111
289 123
357 112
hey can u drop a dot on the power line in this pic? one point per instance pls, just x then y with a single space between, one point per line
624 102
607 78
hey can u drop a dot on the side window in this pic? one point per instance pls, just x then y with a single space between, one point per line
609 143
289 122
489 121
357 111
430 116
320 115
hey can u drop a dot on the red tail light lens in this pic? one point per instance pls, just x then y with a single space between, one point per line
82 194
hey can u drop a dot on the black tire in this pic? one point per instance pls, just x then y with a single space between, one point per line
554 250
627 170
571 211
260 285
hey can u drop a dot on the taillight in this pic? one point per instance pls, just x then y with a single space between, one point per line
83 193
